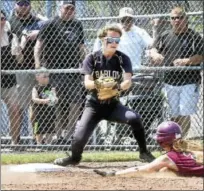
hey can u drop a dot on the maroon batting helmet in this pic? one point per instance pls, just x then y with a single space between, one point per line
167 132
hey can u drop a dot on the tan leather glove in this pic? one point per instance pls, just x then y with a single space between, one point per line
107 93
105 82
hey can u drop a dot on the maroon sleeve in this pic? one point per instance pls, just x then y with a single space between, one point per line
173 156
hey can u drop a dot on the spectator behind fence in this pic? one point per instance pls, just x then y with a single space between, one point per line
106 63
11 56
44 99
180 46
26 26
60 45
134 40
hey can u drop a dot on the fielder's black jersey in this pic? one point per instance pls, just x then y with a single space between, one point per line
173 46
97 65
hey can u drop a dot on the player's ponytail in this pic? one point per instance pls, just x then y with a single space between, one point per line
181 145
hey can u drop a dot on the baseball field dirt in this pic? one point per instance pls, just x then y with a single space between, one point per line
82 177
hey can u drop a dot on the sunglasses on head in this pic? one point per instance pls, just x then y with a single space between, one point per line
126 20
23 3
3 18
112 40
178 17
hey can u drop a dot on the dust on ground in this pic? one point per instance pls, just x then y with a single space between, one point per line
82 177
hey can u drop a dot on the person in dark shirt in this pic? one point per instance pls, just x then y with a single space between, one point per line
26 26
183 157
10 51
24 23
106 62
60 45
180 46
44 100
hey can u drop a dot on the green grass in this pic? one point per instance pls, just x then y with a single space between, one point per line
49 157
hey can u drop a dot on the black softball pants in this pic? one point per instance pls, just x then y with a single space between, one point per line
94 113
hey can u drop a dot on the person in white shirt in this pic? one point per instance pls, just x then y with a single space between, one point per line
134 40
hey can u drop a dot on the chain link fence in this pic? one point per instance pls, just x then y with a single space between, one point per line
29 123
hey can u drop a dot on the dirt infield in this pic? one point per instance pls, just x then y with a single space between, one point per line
82 177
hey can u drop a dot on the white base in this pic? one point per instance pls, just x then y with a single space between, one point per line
37 167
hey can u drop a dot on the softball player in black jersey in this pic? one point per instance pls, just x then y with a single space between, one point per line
107 62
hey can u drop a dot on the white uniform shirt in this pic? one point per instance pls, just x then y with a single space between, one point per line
132 43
